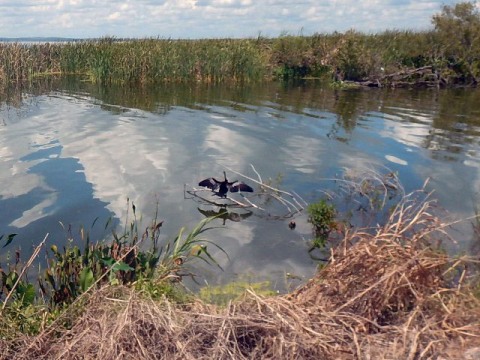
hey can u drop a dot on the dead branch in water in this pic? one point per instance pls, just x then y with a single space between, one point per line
292 202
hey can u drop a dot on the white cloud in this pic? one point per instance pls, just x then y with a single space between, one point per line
229 146
303 153
209 18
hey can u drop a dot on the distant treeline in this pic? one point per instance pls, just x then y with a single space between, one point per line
447 55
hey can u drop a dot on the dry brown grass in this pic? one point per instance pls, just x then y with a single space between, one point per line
385 295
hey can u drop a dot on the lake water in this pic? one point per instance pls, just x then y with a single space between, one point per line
73 152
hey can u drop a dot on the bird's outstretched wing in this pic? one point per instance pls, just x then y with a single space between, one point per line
210 183
240 186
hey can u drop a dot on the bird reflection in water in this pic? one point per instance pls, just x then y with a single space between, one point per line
225 215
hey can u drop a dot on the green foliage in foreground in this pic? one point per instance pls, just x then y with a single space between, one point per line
322 217
449 54
142 260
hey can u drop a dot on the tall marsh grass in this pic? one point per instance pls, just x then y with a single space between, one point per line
450 51
136 61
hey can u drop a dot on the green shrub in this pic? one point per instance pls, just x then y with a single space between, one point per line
322 216
458 39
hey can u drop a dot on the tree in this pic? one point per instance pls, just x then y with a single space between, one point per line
458 35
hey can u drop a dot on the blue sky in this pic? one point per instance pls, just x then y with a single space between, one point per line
210 18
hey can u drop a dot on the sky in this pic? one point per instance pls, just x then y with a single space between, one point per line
210 18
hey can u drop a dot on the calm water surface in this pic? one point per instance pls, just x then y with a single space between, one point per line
73 152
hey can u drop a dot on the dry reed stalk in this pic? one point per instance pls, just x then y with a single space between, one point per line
24 269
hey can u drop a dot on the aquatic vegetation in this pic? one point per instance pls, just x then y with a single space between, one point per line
361 198
13 282
73 271
135 259
322 216
8 239
235 290
446 55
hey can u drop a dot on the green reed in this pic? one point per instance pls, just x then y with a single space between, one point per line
146 61
162 60
451 49
141 259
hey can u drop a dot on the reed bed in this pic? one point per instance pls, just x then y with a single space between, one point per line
382 295
444 56
135 61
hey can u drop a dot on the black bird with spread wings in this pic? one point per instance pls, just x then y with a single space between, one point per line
222 187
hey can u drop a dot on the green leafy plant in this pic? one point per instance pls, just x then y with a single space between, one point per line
9 239
22 291
185 247
13 282
18 318
322 217
72 270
